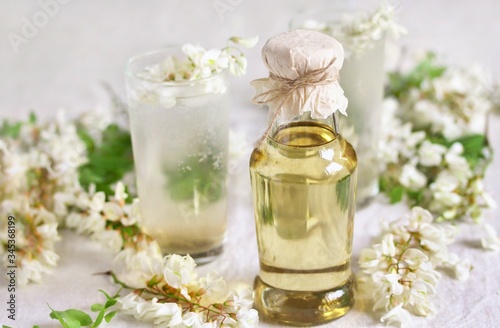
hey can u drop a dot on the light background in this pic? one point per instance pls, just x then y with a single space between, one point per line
87 42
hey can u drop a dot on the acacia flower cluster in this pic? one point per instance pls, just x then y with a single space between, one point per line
400 270
38 169
113 223
358 32
433 149
201 63
452 101
174 296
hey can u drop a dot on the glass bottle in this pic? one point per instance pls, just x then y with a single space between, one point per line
304 179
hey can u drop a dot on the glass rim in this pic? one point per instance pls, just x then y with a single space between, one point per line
309 13
131 74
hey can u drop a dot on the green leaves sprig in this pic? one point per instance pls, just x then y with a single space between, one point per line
109 160
72 318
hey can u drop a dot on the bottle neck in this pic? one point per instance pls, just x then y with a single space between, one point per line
277 122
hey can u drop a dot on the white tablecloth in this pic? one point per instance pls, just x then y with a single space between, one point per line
63 62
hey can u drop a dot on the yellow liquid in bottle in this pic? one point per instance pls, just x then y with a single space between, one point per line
304 180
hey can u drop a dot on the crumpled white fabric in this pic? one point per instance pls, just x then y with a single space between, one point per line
292 55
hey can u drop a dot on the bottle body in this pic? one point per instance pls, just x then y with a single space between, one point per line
304 180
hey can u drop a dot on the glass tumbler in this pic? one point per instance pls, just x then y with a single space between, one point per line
180 144
362 78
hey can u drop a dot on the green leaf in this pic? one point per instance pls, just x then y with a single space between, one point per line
396 194
383 184
106 295
57 316
10 130
417 196
110 303
110 316
440 140
96 307
473 148
71 318
65 322
87 140
83 318
32 119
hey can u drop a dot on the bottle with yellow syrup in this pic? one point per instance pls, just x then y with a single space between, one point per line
303 176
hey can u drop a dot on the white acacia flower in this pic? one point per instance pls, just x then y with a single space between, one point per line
134 214
247 318
388 247
397 315
42 215
213 284
135 266
459 167
194 53
245 42
88 224
477 189
435 238
30 271
412 178
411 140
462 270
97 201
82 201
111 239
445 182
414 258
424 308
420 290
242 299
73 219
112 211
196 320
49 233
120 194
491 241
61 202
445 192
446 199
179 272
418 216
369 260
426 112
238 65
314 25
48 258
426 272
213 61
391 280
430 154
160 314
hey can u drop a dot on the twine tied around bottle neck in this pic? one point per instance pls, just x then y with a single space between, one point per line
313 78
